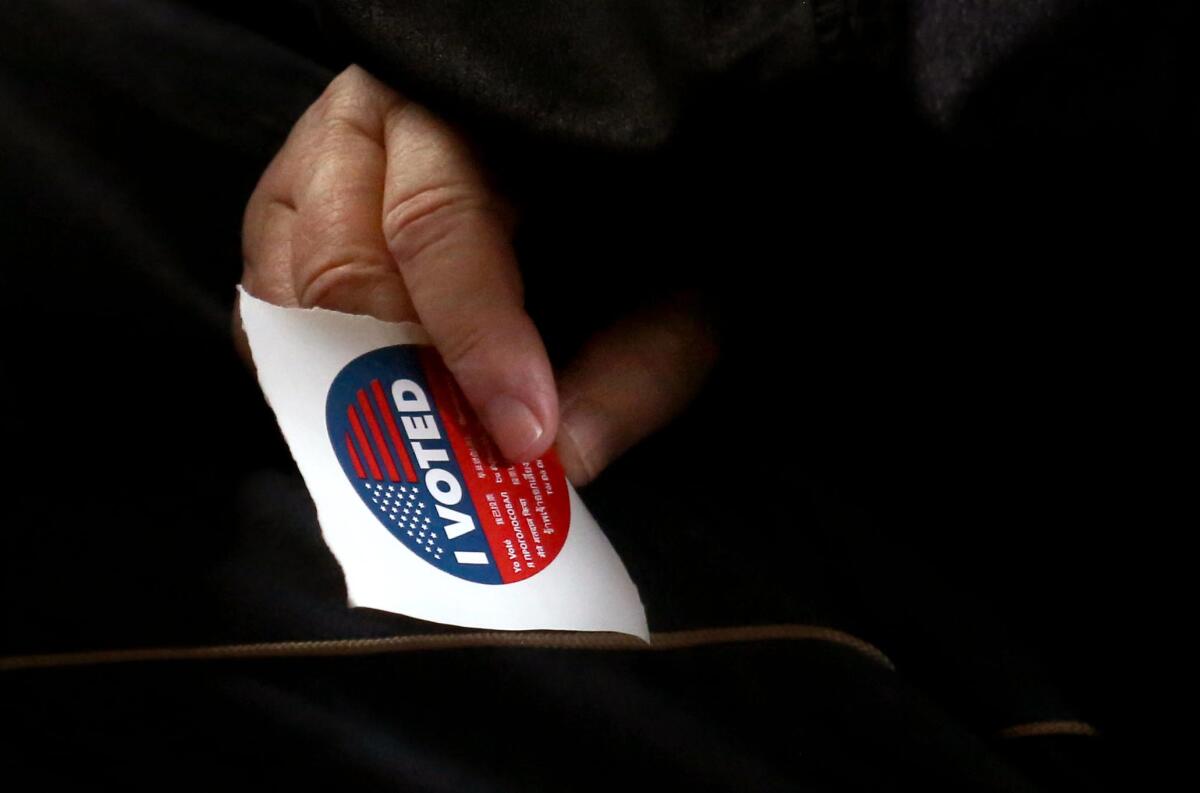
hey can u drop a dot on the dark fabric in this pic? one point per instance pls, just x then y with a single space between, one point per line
614 74
899 211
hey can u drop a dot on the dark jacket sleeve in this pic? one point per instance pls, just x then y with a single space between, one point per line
608 73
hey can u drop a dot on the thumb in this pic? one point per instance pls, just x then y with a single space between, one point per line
629 381
447 235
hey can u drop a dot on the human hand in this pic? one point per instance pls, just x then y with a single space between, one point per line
374 206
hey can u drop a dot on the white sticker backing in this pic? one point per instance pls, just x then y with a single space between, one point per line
414 500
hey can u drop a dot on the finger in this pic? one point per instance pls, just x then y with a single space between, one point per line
267 229
340 258
266 258
630 381
450 244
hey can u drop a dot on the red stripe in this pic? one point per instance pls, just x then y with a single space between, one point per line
354 458
380 443
362 442
386 411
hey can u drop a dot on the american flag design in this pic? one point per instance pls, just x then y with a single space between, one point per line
421 463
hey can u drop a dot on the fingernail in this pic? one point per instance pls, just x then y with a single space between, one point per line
513 426
574 428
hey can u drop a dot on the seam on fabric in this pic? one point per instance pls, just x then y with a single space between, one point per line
539 640
1039 728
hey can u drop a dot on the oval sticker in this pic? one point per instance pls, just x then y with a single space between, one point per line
423 465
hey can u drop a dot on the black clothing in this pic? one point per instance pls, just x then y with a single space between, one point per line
896 209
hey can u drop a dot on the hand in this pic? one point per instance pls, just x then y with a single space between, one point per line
374 206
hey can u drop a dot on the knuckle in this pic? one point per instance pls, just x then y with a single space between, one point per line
350 123
348 82
463 344
417 221
352 79
329 282
354 104
677 352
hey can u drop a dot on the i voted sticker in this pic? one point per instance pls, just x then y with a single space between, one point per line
422 514
421 462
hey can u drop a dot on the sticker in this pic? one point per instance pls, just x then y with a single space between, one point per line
423 515
419 459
